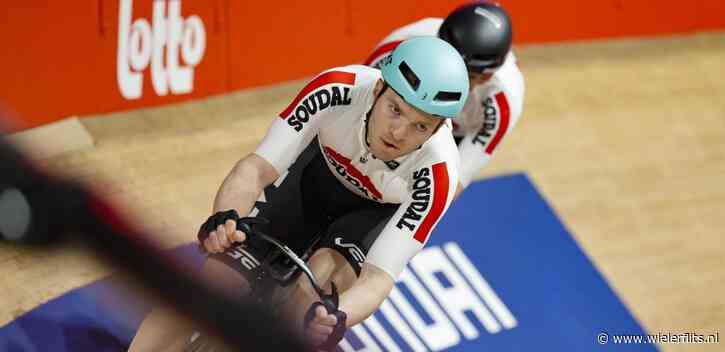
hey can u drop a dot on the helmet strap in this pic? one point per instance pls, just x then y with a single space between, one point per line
367 116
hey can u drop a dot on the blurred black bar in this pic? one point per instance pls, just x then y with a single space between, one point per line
61 209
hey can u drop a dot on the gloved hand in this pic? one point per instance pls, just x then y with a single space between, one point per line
324 323
220 231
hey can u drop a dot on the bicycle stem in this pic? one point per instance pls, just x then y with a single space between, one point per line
247 227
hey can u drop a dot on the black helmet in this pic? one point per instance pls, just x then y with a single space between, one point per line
481 32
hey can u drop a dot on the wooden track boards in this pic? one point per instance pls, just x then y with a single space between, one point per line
625 139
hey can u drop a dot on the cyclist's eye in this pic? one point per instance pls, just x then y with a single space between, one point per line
395 110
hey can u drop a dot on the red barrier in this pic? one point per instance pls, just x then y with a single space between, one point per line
85 57
567 20
82 57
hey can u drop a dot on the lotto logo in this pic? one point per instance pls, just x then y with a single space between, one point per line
161 44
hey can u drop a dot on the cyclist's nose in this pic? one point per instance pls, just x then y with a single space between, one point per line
398 131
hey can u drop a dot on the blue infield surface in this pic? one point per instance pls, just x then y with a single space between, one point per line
500 273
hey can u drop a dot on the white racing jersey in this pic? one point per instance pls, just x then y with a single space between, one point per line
491 111
333 108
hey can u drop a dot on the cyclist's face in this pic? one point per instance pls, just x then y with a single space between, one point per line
397 128
476 79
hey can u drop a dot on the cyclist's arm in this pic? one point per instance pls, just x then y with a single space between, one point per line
366 295
459 190
285 140
404 235
288 136
244 183
501 111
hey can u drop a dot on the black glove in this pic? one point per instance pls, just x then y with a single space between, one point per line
214 221
330 302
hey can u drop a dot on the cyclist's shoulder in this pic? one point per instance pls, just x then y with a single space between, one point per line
509 77
351 74
424 27
360 79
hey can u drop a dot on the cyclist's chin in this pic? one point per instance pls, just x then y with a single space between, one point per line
385 153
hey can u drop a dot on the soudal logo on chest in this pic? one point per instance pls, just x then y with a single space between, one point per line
344 167
492 130
428 200
327 92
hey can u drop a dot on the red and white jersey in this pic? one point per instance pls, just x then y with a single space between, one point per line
333 108
492 108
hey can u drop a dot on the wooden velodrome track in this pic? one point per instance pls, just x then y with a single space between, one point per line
625 139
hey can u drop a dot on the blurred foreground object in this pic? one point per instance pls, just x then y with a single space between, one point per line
42 210
52 139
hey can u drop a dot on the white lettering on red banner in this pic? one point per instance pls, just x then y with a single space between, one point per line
170 44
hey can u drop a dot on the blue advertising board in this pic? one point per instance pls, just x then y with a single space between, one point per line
499 273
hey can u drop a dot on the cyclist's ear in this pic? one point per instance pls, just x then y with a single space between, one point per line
378 87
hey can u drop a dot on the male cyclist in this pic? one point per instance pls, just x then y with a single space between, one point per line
356 171
481 32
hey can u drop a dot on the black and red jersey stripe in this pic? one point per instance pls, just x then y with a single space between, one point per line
441 186
354 172
380 51
505 117
331 77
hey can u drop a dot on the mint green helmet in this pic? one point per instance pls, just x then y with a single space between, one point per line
429 74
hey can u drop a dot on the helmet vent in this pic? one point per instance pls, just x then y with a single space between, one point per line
409 75
448 96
